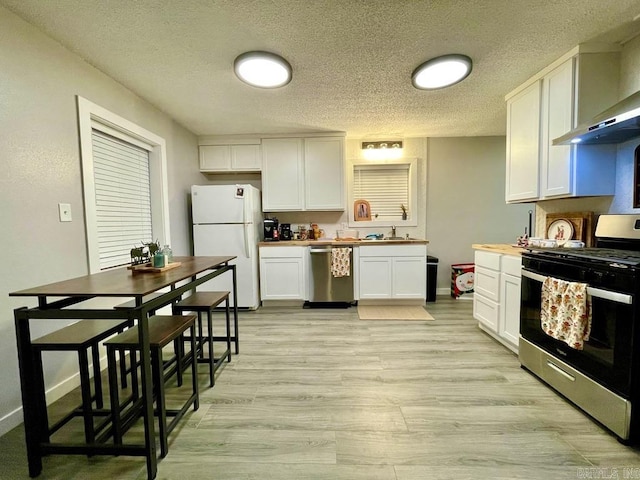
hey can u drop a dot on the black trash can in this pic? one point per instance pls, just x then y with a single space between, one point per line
432 278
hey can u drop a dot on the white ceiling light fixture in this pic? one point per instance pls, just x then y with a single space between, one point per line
262 69
441 72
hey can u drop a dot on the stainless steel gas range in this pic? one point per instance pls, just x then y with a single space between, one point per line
603 376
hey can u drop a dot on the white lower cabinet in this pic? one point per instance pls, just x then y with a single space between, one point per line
375 277
496 300
509 327
392 272
283 273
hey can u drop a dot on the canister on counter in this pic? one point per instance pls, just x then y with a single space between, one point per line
314 232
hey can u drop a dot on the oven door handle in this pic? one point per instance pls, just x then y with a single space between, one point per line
594 292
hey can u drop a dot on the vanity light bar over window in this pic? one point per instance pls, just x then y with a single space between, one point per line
385 187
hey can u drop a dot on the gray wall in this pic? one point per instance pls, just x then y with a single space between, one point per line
39 153
465 200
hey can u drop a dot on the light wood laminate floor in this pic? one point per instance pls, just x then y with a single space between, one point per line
320 394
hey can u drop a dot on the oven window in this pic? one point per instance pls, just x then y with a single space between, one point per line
606 356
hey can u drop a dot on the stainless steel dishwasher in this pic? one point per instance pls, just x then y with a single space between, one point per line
324 286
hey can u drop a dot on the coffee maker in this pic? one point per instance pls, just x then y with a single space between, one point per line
285 231
270 229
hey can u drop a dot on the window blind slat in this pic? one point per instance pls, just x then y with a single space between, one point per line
385 187
122 198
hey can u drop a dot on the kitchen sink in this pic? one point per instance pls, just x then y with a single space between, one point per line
398 238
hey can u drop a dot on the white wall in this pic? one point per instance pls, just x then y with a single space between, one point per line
39 153
465 200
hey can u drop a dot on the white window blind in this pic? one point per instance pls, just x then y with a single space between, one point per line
385 187
122 198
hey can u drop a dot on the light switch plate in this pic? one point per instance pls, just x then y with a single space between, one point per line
64 209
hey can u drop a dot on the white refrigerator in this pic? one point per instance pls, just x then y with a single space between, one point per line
226 221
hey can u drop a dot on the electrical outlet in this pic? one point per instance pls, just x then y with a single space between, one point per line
64 210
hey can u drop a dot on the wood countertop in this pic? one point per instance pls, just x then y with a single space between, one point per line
504 249
354 242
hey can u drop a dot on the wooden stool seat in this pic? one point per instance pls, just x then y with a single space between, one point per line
127 306
206 302
163 329
81 337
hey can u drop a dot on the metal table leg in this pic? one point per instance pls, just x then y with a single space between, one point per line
33 396
235 309
147 393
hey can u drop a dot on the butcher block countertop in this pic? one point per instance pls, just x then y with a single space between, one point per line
343 242
504 249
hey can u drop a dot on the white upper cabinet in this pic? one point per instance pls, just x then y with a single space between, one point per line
230 158
523 141
282 174
303 174
324 173
557 104
573 89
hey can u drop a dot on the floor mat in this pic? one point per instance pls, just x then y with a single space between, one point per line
388 312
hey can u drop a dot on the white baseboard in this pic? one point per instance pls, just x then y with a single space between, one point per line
447 291
10 421
56 392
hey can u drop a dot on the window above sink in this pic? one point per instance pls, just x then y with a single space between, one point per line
387 186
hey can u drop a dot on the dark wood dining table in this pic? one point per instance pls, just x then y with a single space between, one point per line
54 301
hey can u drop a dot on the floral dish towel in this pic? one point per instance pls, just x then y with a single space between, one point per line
341 262
565 313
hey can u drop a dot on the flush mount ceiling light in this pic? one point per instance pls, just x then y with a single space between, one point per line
262 69
441 72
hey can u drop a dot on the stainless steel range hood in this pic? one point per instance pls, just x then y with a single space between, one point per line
615 125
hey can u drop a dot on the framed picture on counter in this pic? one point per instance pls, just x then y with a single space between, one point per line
581 225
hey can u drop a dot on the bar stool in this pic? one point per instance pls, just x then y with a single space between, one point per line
123 365
82 337
206 302
163 329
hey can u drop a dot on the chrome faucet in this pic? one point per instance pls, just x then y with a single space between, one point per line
393 231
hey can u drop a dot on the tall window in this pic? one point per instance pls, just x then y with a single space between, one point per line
125 186
122 197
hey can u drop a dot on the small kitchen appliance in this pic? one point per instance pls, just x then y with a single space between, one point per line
285 231
270 229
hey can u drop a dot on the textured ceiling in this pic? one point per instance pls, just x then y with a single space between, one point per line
352 59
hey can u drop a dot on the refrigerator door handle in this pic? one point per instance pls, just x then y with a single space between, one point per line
245 212
246 208
246 240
